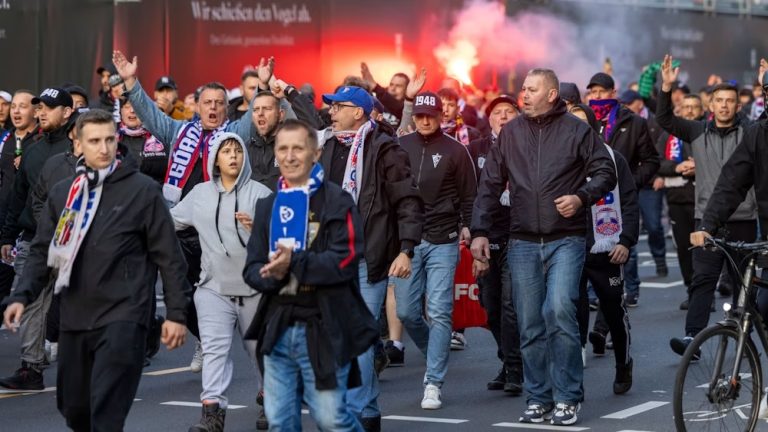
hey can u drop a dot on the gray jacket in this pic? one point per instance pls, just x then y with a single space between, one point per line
710 149
211 211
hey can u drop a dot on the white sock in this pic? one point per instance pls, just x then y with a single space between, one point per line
398 345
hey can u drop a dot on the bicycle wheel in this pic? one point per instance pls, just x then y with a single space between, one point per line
704 399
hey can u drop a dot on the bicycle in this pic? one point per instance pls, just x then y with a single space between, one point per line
719 383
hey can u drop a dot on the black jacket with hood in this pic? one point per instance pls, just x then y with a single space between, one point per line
19 217
8 170
113 277
632 138
389 201
445 175
630 210
543 158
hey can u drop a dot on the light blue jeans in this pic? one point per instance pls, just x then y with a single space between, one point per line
286 370
363 400
545 289
434 268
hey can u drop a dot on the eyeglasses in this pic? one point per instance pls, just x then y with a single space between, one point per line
337 106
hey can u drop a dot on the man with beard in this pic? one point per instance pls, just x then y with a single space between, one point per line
55 111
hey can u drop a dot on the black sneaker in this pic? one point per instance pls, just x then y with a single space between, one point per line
498 382
396 355
514 383
565 414
623 381
631 300
598 343
380 358
371 424
261 420
724 288
679 346
212 419
661 267
28 377
536 413
684 304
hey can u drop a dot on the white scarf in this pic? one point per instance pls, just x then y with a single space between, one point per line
78 214
606 218
353 173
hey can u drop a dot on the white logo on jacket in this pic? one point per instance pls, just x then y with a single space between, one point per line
436 159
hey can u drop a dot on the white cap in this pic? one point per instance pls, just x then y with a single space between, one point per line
5 95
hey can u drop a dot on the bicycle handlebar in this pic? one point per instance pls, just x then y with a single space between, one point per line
761 246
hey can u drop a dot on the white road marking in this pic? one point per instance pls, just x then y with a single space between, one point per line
425 419
630 430
541 427
741 375
167 371
196 404
629 412
661 285
648 254
7 393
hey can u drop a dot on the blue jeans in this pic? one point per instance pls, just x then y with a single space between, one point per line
286 370
434 267
363 400
545 289
631 277
651 203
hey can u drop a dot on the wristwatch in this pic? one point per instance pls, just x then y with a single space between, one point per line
407 252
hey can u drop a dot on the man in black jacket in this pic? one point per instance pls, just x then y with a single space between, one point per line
545 157
54 116
12 143
628 133
109 217
446 179
312 322
389 204
495 284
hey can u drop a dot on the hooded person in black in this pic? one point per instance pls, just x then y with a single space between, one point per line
544 156
603 263
54 117
107 232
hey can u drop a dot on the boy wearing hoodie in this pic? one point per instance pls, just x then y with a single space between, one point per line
223 300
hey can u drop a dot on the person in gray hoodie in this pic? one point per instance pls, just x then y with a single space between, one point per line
223 300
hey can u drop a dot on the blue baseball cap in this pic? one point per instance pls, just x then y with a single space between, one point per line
354 95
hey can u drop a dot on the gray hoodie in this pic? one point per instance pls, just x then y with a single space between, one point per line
211 211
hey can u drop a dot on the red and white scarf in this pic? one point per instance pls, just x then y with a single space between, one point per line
186 150
457 129
151 144
76 218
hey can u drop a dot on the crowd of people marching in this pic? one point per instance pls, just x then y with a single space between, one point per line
319 235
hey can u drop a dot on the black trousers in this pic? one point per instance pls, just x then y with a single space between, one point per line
496 298
99 372
707 265
6 280
190 246
683 224
608 281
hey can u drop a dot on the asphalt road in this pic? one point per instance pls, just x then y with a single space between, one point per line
167 399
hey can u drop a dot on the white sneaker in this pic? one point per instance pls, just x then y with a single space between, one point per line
762 413
431 399
458 341
197 360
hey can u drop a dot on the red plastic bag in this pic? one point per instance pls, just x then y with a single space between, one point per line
467 311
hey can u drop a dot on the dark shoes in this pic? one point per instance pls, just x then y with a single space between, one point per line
261 420
623 381
598 343
661 267
679 345
28 377
498 382
371 424
396 355
380 358
514 385
212 419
